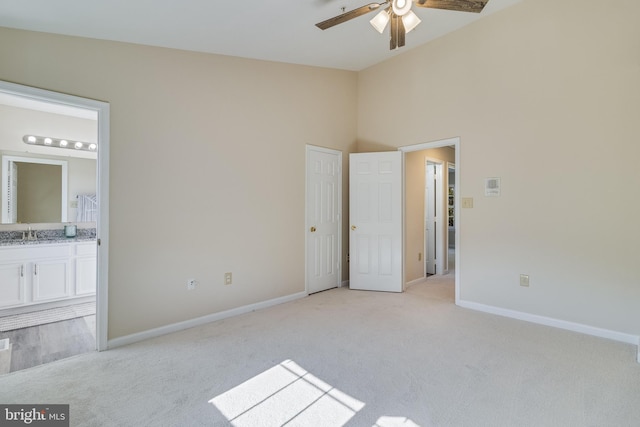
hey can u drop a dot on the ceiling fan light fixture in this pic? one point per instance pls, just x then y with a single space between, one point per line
380 21
410 21
401 7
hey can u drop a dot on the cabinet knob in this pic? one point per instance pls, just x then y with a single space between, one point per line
313 229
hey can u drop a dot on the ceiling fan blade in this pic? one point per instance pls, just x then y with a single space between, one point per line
401 32
394 32
347 16
397 32
474 6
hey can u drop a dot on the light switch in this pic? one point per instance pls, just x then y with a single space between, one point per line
467 202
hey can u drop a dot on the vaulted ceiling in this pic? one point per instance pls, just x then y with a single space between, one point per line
277 30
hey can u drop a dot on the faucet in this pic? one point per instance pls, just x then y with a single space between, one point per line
31 234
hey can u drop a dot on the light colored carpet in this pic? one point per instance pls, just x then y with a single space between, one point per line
349 358
42 317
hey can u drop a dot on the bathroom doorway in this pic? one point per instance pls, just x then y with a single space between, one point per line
54 303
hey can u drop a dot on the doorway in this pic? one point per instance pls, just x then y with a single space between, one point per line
452 144
59 272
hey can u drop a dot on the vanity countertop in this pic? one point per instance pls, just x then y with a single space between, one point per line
44 237
20 242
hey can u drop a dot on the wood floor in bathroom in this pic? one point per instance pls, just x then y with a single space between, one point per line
53 341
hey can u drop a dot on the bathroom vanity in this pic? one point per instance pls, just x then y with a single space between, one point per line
46 269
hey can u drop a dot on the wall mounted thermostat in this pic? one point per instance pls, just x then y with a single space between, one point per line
492 187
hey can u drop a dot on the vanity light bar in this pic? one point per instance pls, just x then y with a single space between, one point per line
59 143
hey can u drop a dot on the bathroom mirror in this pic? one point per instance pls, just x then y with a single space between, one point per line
44 184
34 190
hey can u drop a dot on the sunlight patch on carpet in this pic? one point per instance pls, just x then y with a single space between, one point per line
286 394
395 422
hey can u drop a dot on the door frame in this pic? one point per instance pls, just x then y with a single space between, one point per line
102 110
455 142
308 149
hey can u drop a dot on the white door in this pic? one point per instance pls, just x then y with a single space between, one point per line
433 208
375 214
324 218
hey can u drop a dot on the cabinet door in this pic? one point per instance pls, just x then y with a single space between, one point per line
50 279
12 284
86 274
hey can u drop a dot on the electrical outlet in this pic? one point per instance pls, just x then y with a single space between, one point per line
524 280
228 279
191 284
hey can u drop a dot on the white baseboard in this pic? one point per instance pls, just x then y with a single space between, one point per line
415 282
344 284
562 324
175 327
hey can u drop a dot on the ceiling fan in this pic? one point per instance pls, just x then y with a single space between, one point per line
401 16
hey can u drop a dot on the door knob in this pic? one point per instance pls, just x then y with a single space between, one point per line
353 227
313 229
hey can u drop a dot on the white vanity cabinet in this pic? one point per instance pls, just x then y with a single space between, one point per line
85 262
50 279
39 273
11 283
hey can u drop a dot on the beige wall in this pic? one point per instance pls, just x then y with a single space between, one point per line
207 159
207 167
546 96
414 244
